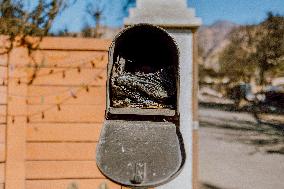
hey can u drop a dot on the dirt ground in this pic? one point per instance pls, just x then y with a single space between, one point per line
238 153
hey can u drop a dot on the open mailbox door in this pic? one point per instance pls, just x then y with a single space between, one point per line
140 144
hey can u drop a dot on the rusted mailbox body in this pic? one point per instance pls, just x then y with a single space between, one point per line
140 144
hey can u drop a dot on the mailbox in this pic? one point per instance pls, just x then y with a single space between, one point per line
140 144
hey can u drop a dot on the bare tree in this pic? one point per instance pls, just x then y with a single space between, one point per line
95 10
18 19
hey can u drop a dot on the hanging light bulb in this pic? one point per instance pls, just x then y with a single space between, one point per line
58 107
63 74
93 64
87 88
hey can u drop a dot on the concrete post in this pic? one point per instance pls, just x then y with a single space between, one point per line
181 23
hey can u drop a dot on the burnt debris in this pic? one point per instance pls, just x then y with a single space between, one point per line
145 88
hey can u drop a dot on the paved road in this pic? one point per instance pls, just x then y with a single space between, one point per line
237 153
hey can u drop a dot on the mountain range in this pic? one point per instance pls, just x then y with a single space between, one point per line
212 40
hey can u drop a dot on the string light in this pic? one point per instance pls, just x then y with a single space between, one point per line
37 67
58 105
48 94
58 98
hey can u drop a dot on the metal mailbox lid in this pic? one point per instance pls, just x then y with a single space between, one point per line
136 153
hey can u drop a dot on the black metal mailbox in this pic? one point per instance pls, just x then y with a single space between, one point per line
140 143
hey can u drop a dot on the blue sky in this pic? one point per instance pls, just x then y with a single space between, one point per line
238 11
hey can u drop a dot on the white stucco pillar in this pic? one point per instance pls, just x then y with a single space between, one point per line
181 22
